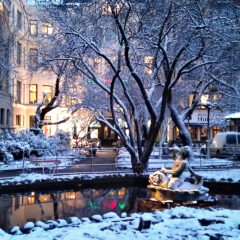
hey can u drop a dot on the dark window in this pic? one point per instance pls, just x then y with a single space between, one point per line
19 91
18 120
231 139
19 20
31 121
238 137
2 117
8 116
33 56
19 53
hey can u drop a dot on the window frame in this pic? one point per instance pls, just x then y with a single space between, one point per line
19 20
48 97
33 56
33 22
36 93
19 53
47 26
19 92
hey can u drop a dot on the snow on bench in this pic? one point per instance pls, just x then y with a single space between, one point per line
40 160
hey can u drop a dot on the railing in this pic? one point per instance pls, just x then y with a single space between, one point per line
109 160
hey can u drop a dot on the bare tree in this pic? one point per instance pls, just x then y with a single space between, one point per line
153 46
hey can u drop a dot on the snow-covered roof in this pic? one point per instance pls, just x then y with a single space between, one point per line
233 116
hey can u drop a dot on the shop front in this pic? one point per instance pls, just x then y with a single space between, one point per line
199 124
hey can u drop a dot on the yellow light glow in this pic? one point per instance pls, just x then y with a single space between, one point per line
148 60
205 99
1 7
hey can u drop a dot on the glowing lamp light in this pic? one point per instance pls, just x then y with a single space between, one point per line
122 206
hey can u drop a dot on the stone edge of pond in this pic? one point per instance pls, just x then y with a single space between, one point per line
74 182
101 181
72 222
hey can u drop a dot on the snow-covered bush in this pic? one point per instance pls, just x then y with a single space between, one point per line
13 146
4 155
64 138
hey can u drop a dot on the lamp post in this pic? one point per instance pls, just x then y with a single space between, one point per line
208 131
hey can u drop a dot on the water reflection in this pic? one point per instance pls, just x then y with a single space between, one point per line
17 210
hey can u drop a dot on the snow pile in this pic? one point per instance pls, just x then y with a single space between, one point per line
15 146
176 223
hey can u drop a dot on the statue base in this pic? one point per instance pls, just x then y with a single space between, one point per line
179 195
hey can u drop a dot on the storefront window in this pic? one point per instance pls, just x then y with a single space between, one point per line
193 132
203 134
216 130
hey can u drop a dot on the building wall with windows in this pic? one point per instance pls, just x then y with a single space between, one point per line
5 65
28 86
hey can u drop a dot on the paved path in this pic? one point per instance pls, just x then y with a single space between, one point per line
103 161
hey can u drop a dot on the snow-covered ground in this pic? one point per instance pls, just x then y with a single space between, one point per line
177 223
66 159
155 162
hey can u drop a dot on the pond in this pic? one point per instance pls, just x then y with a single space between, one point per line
19 209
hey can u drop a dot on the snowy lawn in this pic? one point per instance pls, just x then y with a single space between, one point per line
67 158
123 160
177 223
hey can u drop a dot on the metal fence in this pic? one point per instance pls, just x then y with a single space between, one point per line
109 160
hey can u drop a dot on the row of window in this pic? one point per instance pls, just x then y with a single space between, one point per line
33 93
47 28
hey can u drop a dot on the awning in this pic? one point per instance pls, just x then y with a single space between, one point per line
233 116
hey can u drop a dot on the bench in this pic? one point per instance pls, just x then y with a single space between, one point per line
35 160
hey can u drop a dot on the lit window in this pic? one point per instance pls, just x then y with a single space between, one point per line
205 99
47 29
1 7
19 20
148 60
31 200
106 9
45 198
70 195
33 93
33 27
33 56
48 91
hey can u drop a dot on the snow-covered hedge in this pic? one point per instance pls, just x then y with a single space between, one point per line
13 146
